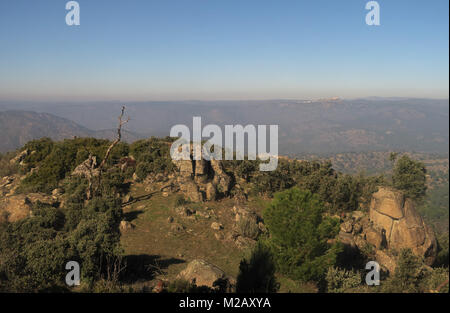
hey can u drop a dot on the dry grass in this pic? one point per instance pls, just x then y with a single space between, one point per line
153 236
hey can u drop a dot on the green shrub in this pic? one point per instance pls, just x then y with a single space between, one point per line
341 280
56 160
180 286
409 275
410 177
299 235
6 167
152 156
437 280
34 251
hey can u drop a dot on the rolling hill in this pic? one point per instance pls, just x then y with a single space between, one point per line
19 127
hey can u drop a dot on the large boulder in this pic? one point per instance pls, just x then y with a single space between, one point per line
17 207
204 273
14 208
396 220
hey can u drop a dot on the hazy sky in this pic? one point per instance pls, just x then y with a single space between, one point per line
222 49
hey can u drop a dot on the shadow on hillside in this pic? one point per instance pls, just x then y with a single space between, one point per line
140 198
147 196
146 267
130 216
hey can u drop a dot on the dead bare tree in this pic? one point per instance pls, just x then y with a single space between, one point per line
115 142
99 169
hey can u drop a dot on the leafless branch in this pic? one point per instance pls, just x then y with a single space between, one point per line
113 144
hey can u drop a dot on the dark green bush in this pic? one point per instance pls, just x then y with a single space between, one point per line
410 177
299 235
257 275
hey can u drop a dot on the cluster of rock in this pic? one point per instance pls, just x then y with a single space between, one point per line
8 185
201 180
244 231
392 224
20 157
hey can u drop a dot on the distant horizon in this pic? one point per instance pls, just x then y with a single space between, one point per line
315 99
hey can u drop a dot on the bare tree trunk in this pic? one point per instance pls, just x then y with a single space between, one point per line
108 152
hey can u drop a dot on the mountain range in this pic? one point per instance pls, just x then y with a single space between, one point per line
19 127
305 126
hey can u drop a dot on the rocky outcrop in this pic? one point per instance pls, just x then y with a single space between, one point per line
400 226
201 180
19 158
392 224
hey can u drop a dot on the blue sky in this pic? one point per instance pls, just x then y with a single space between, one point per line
222 49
